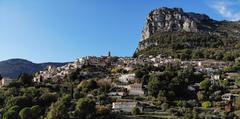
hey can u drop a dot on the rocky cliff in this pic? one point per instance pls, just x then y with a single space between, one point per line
174 28
167 19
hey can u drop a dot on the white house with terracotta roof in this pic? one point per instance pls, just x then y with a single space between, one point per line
125 78
6 81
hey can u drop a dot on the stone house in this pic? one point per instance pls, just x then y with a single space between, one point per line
229 97
6 81
117 95
136 89
215 79
125 78
126 105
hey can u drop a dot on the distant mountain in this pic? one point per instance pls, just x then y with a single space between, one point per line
171 31
13 67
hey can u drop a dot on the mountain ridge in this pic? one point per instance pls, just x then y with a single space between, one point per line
12 68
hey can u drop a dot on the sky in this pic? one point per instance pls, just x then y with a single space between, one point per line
63 30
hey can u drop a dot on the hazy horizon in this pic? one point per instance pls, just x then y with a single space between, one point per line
61 31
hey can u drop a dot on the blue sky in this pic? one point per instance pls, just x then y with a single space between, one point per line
63 30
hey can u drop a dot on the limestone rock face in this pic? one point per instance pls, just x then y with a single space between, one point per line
172 19
169 29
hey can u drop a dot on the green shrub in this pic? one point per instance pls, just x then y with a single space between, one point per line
36 110
164 106
205 84
26 113
136 111
10 115
206 104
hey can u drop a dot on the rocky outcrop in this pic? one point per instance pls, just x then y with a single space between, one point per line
172 29
175 19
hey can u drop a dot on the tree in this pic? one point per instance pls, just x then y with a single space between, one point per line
237 45
164 106
186 54
103 112
73 75
201 95
12 92
92 84
228 56
136 111
1 77
218 55
30 92
47 98
139 73
88 85
238 103
205 84
197 54
58 109
21 101
26 113
36 110
26 79
237 82
104 85
10 115
153 87
85 108
224 83
71 78
15 108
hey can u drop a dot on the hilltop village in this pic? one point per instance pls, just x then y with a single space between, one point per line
129 85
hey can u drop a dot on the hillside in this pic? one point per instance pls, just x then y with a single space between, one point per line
176 33
13 67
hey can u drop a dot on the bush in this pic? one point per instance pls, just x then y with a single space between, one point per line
21 101
26 79
116 70
59 109
26 113
76 95
139 74
181 103
201 95
102 110
15 108
135 111
228 56
206 104
85 108
153 87
36 110
47 98
10 115
88 85
164 106
205 84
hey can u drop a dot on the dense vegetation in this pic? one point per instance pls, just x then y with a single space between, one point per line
24 99
172 83
80 97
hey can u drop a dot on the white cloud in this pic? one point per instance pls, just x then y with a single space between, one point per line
225 9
